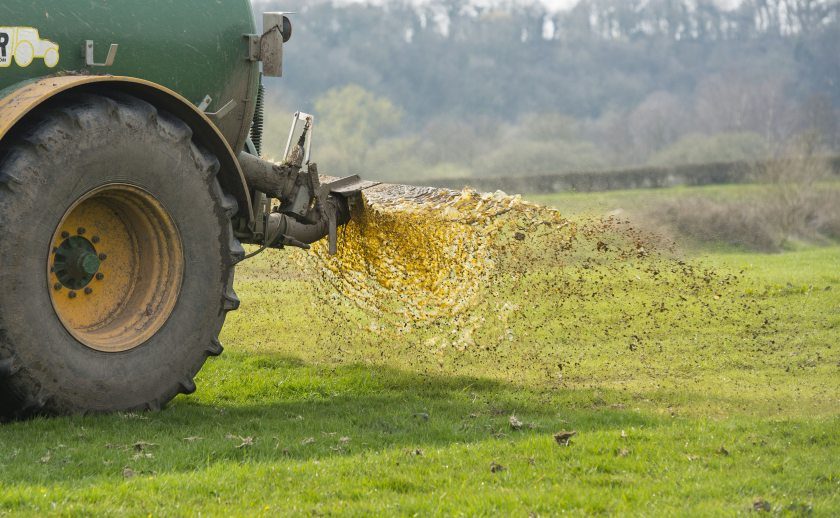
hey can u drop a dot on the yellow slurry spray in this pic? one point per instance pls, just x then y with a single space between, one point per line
491 285
424 253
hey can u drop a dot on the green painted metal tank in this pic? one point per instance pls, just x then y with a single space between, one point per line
198 48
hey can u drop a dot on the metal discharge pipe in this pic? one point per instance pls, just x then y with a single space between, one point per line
306 233
298 222
266 176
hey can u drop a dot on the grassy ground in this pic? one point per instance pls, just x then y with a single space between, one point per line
750 217
637 199
724 406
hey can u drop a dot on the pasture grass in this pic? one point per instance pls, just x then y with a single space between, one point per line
635 200
761 217
315 410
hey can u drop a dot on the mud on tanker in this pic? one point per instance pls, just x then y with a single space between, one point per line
130 178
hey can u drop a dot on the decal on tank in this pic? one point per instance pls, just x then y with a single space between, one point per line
23 45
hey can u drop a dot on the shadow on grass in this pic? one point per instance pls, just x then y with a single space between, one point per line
268 408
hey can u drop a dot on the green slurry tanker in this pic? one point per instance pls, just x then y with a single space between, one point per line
130 176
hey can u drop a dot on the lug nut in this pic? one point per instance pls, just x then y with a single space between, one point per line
65 234
102 257
100 276
57 286
80 231
88 291
94 239
72 294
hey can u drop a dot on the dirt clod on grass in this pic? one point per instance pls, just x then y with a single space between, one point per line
564 438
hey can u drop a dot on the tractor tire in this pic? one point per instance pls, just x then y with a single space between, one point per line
117 256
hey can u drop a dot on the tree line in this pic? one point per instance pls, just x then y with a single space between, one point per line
450 88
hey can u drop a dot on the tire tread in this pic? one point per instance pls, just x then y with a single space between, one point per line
21 396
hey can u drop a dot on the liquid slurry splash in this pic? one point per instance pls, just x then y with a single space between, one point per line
490 284
424 253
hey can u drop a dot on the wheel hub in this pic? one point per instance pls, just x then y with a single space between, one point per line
115 301
76 262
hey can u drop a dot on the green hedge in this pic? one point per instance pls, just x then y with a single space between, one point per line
636 178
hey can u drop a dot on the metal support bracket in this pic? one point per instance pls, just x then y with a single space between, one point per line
109 60
308 122
217 115
223 112
254 46
205 103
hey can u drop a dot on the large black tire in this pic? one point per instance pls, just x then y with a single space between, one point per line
72 148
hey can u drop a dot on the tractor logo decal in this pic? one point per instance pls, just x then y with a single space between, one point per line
23 45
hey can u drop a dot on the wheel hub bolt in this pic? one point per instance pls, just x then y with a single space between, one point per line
81 231
57 286
88 263
100 276
72 294
88 291
94 239
65 234
102 257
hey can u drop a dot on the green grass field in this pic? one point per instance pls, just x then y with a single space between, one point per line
635 199
720 398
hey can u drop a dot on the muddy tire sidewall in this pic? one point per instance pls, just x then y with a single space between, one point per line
130 145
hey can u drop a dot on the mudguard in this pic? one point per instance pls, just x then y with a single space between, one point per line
22 100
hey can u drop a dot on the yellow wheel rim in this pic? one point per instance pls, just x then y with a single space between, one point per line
115 268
